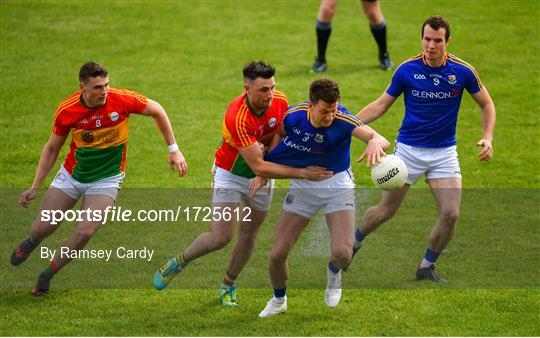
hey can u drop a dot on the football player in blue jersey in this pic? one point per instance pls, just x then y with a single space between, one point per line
318 133
432 84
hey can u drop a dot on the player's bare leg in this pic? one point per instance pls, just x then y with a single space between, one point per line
376 215
288 230
372 11
241 253
245 243
385 210
289 227
219 235
341 226
54 199
327 9
447 193
77 241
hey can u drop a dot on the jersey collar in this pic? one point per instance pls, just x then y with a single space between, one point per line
250 107
86 106
425 61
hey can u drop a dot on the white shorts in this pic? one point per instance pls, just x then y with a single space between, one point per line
434 162
231 188
336 193
108 186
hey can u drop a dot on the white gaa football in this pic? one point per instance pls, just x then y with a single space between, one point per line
390 173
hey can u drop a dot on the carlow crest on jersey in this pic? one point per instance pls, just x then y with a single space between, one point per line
88 137
114 116
452 79
272 122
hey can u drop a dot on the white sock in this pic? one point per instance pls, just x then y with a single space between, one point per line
425 263
280 300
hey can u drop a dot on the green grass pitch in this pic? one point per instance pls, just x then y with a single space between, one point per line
188 56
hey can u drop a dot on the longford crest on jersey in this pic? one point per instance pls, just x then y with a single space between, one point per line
289 199
319 138
88 137
452 79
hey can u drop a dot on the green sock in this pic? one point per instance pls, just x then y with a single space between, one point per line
50 270
182 260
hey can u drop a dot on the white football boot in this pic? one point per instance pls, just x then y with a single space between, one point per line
332 294
274 306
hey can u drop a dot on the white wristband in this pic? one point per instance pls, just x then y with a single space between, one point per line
173 148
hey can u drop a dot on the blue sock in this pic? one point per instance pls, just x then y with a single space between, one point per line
359 235
429 258
333 267
431 255
280 293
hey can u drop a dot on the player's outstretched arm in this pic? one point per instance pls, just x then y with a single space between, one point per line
176 158
254 158
484 101
376 109
46 162
376 144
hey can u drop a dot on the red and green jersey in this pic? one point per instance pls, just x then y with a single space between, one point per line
242 127
99 136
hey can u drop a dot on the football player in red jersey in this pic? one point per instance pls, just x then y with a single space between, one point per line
97 118
250 122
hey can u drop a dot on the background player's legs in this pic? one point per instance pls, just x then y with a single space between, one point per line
323 29
54 199
377 25
447 193
78 240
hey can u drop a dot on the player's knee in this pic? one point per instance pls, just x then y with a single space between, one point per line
247 239
219 242
278 257
327 10
449 216
342 254
85 233
386 212
375 18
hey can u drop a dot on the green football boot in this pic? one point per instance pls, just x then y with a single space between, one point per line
166 273
227 295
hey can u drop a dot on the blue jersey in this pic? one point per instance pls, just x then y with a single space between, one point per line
432 98
304 145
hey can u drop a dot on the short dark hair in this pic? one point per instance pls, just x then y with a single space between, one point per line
324 89
436 22
255 69
91 69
